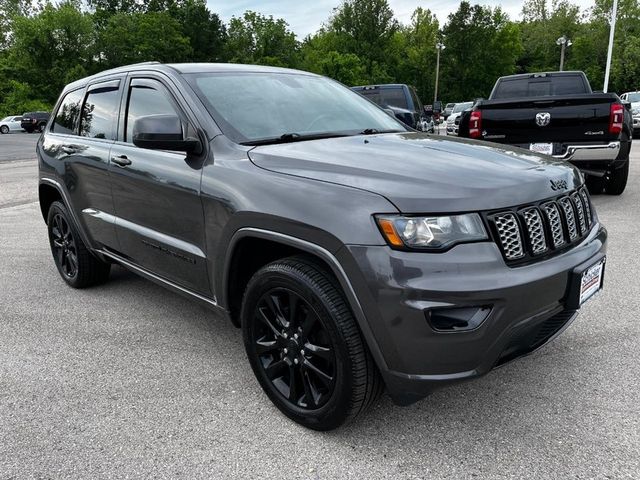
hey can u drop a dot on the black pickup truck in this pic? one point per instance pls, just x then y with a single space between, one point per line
558 114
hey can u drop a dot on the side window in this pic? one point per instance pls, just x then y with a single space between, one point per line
67 115
145 100
99 113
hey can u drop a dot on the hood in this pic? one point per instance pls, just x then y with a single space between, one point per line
422 173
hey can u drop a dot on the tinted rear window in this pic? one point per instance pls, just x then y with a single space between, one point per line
99 113
67 115
386 97
539 87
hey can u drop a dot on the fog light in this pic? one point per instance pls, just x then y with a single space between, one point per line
457 319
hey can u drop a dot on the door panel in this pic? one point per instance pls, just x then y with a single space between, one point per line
82 161
160 222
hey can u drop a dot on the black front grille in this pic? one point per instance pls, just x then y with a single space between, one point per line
533 231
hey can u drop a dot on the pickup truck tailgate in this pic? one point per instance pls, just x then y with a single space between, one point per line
572 118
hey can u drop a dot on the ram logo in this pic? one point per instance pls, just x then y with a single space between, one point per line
543 119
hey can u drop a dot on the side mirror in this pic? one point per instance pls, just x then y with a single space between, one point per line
163 132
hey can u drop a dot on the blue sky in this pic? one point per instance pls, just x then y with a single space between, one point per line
304 16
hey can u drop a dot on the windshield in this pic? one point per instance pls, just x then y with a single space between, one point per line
6 119
250 107
461 107
634 97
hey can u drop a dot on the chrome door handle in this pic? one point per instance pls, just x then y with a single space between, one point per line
68 149
121 160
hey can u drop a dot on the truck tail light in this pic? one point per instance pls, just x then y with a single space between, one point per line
616 118
475 124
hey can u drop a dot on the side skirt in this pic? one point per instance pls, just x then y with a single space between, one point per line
206 301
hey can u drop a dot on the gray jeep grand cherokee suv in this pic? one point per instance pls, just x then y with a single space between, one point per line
355 254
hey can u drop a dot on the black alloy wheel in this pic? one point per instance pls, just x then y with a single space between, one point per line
294 349
304 344
77 266
63 246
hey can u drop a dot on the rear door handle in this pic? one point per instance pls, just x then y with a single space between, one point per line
121 160
68 149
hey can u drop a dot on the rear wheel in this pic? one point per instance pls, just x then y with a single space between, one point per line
4 129
75 263
304 346
617 180
595 185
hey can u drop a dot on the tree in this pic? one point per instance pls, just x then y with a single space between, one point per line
257 39
414 49
139 37
365 28
482 45
47 46
541 28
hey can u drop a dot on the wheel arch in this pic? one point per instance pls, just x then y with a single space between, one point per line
235 277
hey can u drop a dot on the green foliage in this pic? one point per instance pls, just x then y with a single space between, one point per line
482 45
18 98
257 39
140 37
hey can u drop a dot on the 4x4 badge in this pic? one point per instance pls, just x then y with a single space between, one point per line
543 119
558 184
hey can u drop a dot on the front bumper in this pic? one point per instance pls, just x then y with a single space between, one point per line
397 288
636 122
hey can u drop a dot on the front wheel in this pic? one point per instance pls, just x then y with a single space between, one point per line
4 129
617 180
304 346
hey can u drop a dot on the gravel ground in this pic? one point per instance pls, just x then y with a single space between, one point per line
130 380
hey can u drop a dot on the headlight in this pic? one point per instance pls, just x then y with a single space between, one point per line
431 233
636 111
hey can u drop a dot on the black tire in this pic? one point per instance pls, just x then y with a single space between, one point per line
77 266
28 130
4 129
40 128
595 185
617 181
327 341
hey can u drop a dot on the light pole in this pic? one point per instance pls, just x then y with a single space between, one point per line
439 46
564 42
612 32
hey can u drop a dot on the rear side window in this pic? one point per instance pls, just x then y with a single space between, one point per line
386 97
145 100
67 115
99 113
539 87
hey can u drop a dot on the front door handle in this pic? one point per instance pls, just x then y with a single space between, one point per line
121 160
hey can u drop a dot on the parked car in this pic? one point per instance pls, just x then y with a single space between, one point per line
633 98
557 114
448 109
399 98
10 124
296 208
452 128
34 121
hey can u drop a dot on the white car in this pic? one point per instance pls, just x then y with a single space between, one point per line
634 99
11 124
452 128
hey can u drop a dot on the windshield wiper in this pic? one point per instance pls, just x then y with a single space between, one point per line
294 137
373 131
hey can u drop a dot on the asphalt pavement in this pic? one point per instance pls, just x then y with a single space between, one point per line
128 380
